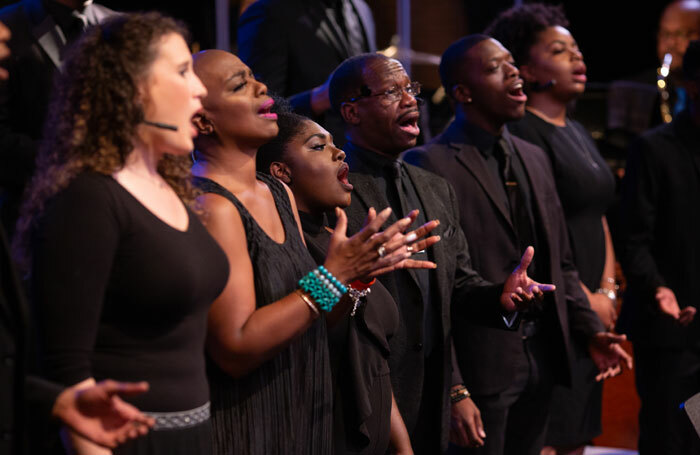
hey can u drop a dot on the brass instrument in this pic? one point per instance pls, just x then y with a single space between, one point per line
662 84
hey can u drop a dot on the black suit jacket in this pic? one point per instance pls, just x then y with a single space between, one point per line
660 225
455 280
485 354
36 46
26 400
292 47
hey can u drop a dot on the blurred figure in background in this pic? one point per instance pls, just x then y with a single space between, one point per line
660 255
293 46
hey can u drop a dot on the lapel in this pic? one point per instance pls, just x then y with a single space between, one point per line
369 194
327 32
537 184
46 32
471 158
426 193
365 15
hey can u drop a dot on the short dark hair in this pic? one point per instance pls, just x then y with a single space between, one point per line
517 28
691 61
347 80
451 60
289 124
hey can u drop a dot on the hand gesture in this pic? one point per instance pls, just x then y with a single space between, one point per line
668 305
98 414
608 355
370 251
521 292
466 427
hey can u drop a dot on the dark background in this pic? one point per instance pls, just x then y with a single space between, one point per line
617 36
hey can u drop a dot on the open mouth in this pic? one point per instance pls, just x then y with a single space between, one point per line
516 93
265 110
409 123
343 177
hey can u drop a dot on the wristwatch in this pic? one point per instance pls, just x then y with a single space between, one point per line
609 293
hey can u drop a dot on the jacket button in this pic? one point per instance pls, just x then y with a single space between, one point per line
8 360
418 346
6 436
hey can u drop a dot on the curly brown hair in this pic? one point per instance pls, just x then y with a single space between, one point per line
94 113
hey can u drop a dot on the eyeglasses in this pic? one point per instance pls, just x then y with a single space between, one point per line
391 95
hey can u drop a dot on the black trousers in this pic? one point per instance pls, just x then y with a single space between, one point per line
665 378
515 420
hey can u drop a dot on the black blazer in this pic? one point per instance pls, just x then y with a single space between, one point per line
36 46
659 243
484 353
293 47
454 280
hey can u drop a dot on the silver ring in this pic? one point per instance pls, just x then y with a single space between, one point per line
381 251
409 249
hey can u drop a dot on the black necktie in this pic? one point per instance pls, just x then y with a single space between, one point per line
518 208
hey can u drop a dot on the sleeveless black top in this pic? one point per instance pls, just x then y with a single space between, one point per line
285 405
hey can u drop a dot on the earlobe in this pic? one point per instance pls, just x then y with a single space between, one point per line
202 124
281 172
461 94
349 112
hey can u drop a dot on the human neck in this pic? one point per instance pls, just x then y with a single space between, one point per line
231 166
475 117
546 107
143 160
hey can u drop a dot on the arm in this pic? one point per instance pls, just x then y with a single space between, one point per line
399 440
78 228
241 336
601 303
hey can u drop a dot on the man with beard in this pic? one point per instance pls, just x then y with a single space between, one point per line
378 103
508 201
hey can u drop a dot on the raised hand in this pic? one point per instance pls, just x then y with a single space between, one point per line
100 415
608 355
370 250
521 292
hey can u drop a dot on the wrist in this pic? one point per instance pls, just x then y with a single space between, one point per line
458 393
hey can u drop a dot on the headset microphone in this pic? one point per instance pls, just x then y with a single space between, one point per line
163 126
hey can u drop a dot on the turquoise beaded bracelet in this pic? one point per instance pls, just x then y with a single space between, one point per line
323 287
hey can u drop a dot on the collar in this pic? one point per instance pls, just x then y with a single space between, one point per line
465 132
313 224
363 161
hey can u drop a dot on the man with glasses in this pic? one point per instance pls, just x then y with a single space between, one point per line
378 103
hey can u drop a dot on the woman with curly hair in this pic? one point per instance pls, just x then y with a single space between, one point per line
552 66
270 371
122 271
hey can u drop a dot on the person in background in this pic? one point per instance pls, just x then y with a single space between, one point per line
275 38
509 204
554 72
41 32
659 255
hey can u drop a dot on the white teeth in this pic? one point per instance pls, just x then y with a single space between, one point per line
518 86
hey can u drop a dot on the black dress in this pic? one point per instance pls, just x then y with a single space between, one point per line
121 294
586 189
285 405
359 349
